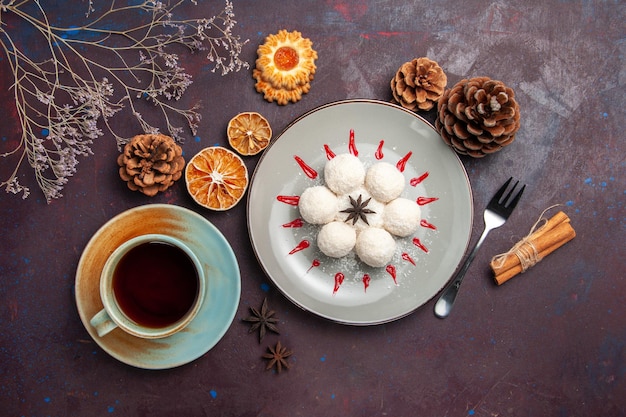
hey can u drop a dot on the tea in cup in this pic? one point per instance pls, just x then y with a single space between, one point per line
152 286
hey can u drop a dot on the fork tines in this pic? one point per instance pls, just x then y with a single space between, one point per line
507 201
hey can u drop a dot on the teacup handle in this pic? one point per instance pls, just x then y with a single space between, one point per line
102 323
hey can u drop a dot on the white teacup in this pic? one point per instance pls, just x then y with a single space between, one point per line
152 286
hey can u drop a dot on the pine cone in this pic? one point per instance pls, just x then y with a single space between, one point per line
418 84
478 116
151 163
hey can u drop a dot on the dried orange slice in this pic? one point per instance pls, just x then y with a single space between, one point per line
216 178
249 133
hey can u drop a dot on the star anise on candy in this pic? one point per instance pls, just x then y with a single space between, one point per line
358 210
277 357
262 320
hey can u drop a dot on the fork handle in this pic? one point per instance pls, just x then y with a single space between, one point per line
446 300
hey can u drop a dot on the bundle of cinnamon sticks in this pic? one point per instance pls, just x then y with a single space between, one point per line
556 232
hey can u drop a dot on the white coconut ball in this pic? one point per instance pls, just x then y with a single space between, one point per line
318 205
375 247
336 239
401 217
373 219
344 173
384 181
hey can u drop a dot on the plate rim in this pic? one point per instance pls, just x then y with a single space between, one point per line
235 280
275 140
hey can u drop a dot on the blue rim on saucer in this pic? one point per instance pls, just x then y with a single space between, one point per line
223 289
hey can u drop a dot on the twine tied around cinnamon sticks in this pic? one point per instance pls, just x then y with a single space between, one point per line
535 246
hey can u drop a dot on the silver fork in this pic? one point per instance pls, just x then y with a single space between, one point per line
497 212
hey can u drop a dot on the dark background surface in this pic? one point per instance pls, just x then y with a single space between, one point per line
550 342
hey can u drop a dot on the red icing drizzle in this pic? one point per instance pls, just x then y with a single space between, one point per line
415 181
292 200
421 201
310 172
408 258
352 144
301 246
391 270
366 282
420 245
427 225
379 150
339 277
294 223
314 264
329 152
402 162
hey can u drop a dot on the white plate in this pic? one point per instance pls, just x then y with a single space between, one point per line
313 287
223 289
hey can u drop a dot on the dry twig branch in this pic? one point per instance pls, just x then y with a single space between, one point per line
93 72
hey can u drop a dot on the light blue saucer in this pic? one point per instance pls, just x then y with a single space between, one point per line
223 289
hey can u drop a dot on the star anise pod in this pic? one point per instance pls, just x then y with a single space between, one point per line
277 357
262 320
358 210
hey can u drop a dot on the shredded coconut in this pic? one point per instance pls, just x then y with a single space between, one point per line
384 181
318 205
344 173
401 217
336 239
375 247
